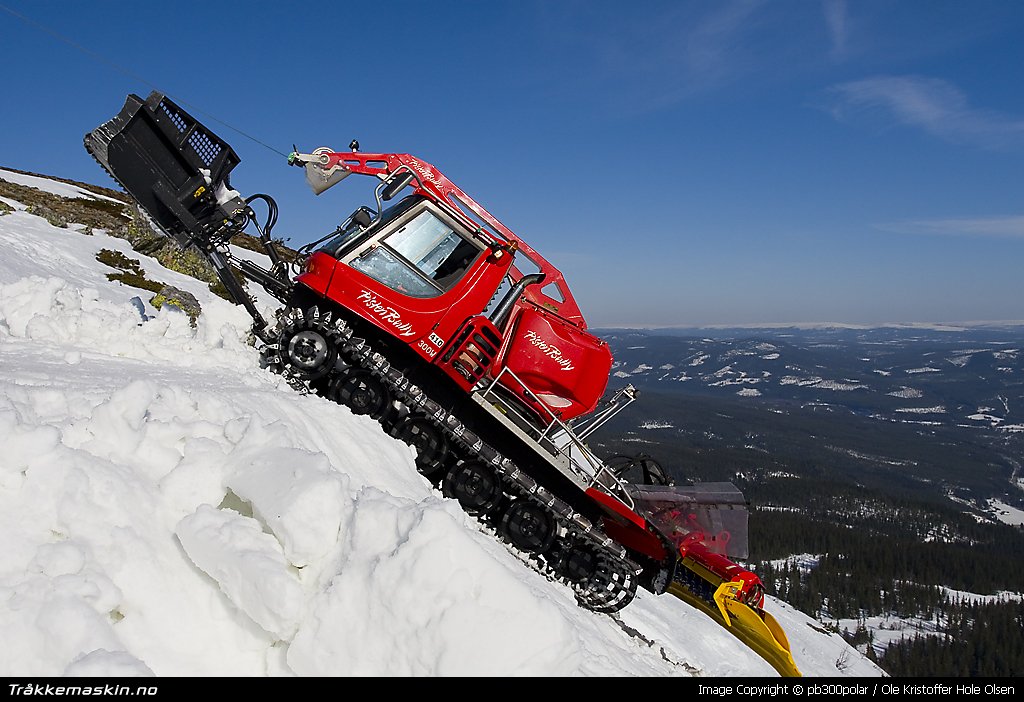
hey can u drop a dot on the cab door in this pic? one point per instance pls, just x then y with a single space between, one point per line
418 278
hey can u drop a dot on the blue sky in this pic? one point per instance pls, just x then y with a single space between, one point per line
683 163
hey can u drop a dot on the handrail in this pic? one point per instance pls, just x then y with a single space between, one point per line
611 484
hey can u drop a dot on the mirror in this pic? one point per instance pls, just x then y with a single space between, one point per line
395 184
362 216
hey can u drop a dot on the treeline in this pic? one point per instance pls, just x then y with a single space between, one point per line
872 563
989 558
981 640
826 592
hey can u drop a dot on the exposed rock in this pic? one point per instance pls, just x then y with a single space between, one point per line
182 300
54 218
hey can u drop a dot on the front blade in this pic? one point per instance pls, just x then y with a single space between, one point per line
763 636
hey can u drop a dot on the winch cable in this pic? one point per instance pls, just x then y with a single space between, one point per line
100 58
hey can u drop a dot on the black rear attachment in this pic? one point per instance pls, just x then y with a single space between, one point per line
178 171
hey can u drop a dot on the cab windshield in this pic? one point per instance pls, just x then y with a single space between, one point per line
424 257
336 245
347 239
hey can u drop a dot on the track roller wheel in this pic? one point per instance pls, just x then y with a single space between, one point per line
528 526
577 563
362 392
475 485
428 440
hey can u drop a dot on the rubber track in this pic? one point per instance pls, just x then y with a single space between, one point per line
612 558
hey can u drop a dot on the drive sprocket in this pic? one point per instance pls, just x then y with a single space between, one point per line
306 344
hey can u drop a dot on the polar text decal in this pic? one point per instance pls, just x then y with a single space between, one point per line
385 312
549 350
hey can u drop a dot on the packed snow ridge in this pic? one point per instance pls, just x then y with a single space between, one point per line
169 507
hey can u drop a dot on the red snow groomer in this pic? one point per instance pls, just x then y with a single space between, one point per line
429 315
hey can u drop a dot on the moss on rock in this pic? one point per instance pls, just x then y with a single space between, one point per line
124 221
130 271
61 211
54 218
180 299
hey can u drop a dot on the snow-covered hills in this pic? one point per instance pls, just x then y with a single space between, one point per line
168 507
966 377
941 412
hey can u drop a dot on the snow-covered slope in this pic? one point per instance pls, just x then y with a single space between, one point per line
169 508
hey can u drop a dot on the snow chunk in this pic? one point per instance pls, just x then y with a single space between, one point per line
300 498
102 663
415 585
225 194
248 565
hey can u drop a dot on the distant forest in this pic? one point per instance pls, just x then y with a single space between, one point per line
863 572
887 537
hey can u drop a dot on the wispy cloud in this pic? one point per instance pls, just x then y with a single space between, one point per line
1003 227
836 19
661 54
711 44
936 106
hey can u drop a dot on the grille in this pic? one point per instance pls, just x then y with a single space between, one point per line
198 138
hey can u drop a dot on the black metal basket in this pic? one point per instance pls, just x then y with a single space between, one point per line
173 165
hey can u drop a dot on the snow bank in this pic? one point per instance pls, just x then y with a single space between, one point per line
117 491
420 594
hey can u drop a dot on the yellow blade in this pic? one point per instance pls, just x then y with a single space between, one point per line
725 591
776 630
764 637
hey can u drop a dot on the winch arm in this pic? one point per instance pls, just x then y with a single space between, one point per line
325 168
